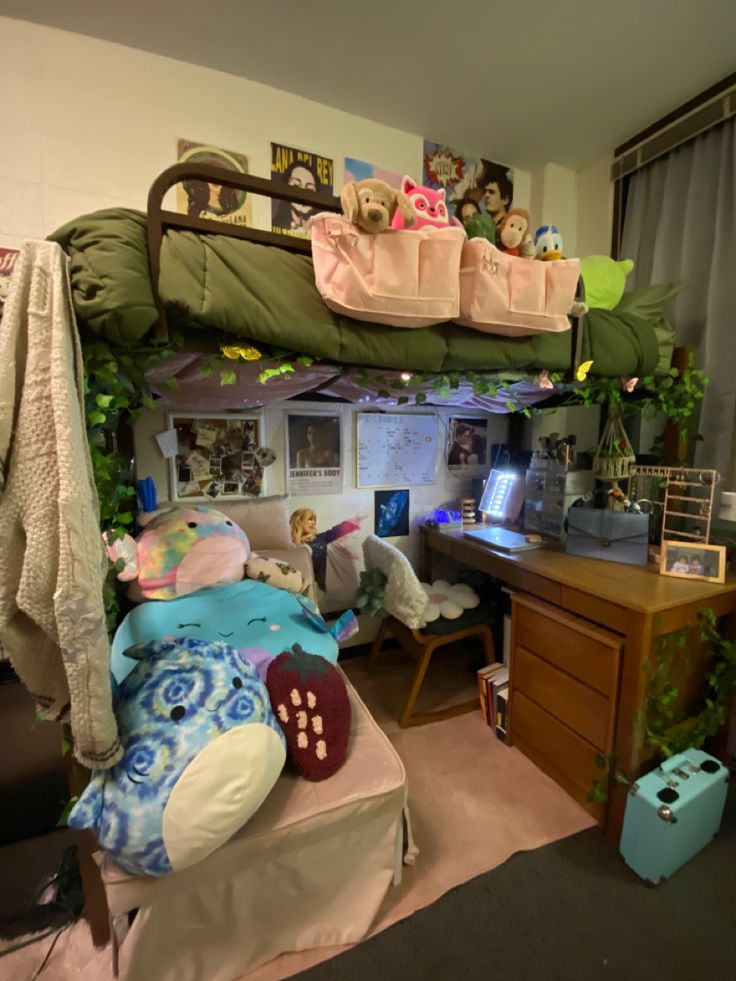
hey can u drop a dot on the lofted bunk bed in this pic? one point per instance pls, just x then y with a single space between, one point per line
139 277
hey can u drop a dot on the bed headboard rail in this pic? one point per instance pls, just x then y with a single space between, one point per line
159 219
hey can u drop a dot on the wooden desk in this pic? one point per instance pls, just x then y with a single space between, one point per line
634 602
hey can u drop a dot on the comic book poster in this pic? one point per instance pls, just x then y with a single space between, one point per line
302 169
359 170
472 184
467 446
216 456
7 264
205 200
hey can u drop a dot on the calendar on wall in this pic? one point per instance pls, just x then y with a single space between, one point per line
395 450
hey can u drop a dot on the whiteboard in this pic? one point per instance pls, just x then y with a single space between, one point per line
396 450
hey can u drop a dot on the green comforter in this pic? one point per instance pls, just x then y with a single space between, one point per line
267 296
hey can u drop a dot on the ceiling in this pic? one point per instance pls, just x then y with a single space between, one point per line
523 83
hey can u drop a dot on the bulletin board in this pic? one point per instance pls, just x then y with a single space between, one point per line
395 450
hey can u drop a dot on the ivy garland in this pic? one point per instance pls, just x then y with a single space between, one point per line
669 729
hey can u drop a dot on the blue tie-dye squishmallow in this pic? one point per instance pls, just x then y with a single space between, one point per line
201 751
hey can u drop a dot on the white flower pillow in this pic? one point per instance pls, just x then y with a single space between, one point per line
445 600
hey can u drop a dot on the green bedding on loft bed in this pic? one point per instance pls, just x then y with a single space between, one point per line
267 295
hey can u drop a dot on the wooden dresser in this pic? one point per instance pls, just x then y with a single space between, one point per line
563 694
584 632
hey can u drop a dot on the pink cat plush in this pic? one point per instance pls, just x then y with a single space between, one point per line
429 205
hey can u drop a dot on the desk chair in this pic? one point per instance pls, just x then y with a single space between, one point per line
404 601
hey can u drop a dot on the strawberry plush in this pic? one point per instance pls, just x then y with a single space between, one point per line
310 700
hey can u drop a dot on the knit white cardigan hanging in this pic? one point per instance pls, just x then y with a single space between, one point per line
52 562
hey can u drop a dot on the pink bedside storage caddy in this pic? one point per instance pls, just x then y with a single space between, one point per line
505 294
403 278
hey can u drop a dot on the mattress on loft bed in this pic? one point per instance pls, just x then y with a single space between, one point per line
267 295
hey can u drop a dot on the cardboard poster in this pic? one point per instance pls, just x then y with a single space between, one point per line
472 184
302 169
205 200
334 534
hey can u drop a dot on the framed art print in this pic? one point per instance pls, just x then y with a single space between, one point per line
216 456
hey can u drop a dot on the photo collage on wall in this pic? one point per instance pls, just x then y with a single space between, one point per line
203 200
216 457
299 169
472 185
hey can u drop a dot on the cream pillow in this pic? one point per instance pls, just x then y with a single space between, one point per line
265 520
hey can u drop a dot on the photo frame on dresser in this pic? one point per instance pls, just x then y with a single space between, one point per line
216 456
693 560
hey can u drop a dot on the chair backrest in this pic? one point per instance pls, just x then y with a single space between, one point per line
404 597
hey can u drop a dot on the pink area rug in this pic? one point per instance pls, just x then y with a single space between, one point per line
474 802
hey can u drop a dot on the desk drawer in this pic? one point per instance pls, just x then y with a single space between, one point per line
581 649
562 754
579 707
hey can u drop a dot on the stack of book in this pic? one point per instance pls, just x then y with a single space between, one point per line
493 686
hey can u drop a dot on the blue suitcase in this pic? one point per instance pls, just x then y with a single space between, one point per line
673 812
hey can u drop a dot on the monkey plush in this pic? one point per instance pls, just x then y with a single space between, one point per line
512 230
372 203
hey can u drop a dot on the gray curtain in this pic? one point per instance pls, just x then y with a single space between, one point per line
680 226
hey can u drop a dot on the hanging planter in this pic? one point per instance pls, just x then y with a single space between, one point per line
614 455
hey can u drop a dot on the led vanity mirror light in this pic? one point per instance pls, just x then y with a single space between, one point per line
498 500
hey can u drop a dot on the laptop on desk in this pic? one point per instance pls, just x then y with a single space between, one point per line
501 539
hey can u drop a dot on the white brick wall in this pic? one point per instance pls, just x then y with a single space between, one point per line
87 124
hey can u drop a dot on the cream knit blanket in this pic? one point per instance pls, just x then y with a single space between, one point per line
52 561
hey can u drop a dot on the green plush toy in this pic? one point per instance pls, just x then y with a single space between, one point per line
481 226
604 280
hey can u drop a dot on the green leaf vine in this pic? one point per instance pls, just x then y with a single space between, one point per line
670 728
115 393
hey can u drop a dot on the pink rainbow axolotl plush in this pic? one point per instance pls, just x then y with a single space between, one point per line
185 549
429 204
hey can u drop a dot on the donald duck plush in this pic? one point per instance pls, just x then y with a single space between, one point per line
548 243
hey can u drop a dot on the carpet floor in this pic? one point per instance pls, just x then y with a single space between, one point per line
474 803
571 911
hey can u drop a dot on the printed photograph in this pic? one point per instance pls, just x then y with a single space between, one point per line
391 509
472 185
693 560
204 200
359 170
300 169
467 449
215 457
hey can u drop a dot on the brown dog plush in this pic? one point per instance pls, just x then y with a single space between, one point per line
371 205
